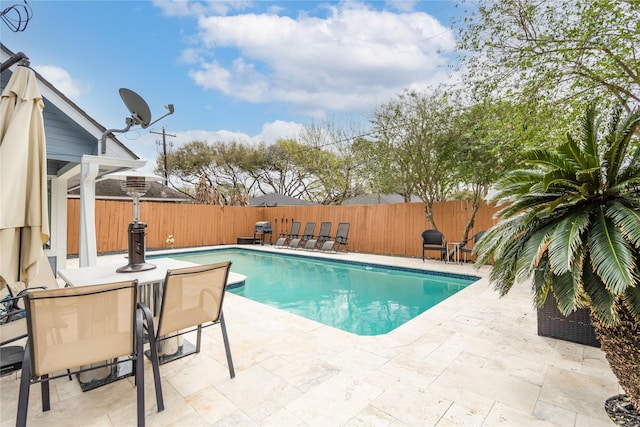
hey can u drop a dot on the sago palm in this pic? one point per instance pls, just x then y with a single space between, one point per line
570 223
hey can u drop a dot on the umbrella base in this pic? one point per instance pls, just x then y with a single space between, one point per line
132 268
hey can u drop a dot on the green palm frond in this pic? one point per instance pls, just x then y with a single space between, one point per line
626 186
617 142
601 302
532 205
631 301
589 138
566 289
566 241
549 160
610 255
561 180
533 247
541 282
627 220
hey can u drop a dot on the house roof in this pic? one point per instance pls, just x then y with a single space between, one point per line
111 189
278 200
378 199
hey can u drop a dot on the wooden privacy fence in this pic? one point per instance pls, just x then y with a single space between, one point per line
392 229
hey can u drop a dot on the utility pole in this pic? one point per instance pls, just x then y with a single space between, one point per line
164 153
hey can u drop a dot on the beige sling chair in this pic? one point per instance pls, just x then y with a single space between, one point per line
95 326
13 324
191 300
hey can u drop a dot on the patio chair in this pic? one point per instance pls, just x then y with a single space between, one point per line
285 238
13 327
13 323
309 229
323 235
341 238
433 240
192 299
90 327
462 247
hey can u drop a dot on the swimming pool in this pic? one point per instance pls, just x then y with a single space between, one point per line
365 299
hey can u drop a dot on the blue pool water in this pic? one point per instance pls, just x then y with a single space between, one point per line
364 299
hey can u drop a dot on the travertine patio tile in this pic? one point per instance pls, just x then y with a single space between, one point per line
506 416
334 402
524 369
306 373
200 371
412 370
559 417
373 417
560 389
458 415
282 418
466 398
357 362
413 405
210 404
236 419
258 392
496 385
586 421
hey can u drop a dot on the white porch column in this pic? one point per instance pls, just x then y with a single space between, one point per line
87 249
90 168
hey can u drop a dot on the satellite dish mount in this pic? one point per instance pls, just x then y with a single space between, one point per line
140 115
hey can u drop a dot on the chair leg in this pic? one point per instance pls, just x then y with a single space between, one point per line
155 360
198 338
139 369
227 349
46 400
25 384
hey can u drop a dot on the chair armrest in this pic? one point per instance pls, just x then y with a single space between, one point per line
147 318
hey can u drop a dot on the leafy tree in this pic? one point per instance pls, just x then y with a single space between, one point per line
277 169
538 51
488 146
219 166
328 155
571 220
415 139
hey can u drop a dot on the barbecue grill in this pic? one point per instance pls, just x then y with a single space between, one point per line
260 231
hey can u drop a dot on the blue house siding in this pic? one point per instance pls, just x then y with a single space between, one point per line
67 142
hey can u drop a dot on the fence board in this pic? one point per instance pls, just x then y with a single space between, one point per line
392 229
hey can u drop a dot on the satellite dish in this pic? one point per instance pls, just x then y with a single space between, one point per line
140 112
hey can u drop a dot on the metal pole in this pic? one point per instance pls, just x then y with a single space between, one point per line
164 154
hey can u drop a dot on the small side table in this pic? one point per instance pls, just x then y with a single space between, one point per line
455 248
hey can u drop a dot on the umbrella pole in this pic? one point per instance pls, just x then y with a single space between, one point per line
20 256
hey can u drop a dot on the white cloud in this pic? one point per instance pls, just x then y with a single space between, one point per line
348 59
272 132
148 146
63 81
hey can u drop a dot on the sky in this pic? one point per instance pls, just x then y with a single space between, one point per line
238 70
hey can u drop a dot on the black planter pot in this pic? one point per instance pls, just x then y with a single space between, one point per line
576 327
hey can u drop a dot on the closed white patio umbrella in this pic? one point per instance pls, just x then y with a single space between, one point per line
24 221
